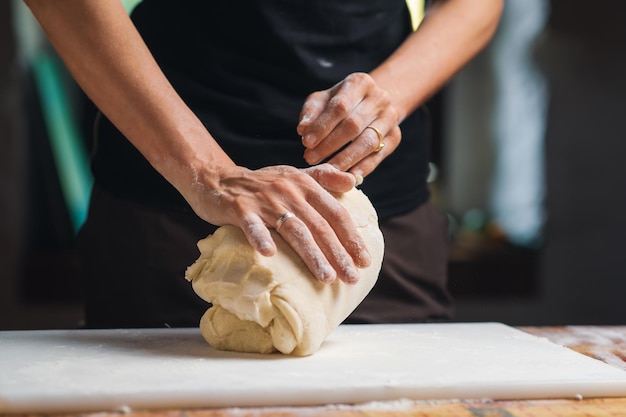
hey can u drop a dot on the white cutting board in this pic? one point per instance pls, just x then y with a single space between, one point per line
81 370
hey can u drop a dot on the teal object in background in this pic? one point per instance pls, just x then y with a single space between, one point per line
68 150
69 153
129 5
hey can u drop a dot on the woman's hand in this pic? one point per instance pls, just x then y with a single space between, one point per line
321 232
353 123
333 122
110 61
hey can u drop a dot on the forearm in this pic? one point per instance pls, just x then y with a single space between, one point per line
107 57
109 60
451 34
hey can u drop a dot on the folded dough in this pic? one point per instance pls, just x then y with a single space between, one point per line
263 304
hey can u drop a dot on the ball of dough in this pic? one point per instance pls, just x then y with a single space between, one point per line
265 304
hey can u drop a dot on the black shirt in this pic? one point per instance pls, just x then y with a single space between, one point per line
246 67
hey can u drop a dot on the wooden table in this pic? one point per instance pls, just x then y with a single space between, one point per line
606 343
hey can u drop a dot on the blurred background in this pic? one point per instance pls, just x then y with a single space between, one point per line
528 164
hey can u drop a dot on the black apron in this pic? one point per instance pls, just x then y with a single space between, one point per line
246 67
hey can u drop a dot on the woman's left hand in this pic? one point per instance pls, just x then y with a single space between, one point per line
353 123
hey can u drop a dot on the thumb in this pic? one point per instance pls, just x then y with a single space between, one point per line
331 178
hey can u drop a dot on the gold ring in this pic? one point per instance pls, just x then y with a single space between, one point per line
282 219
381 143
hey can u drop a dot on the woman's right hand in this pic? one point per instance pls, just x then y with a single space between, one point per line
321 232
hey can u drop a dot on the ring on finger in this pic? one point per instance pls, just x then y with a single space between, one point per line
381 143
282 219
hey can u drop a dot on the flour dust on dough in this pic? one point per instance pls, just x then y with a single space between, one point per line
266 304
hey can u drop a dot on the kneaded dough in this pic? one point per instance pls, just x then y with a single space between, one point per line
266 304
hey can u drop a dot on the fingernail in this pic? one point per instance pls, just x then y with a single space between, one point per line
327 275
266 247
308 140
305 119
364 258
352 276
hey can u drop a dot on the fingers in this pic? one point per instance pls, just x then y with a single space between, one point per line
300 238
313 106
331 178
323 235
321 248
323 111
367 151
334 125
258 235
320 230
341 230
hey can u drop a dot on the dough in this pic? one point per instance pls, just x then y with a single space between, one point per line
263 304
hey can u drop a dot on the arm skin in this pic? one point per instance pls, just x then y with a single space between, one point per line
109 60
451 34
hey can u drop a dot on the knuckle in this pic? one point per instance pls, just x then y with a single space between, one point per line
394 136
293 180
281 186
385 97
392 113
314 96
397 133
240 207
339 105
353 125
360 78
283 172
